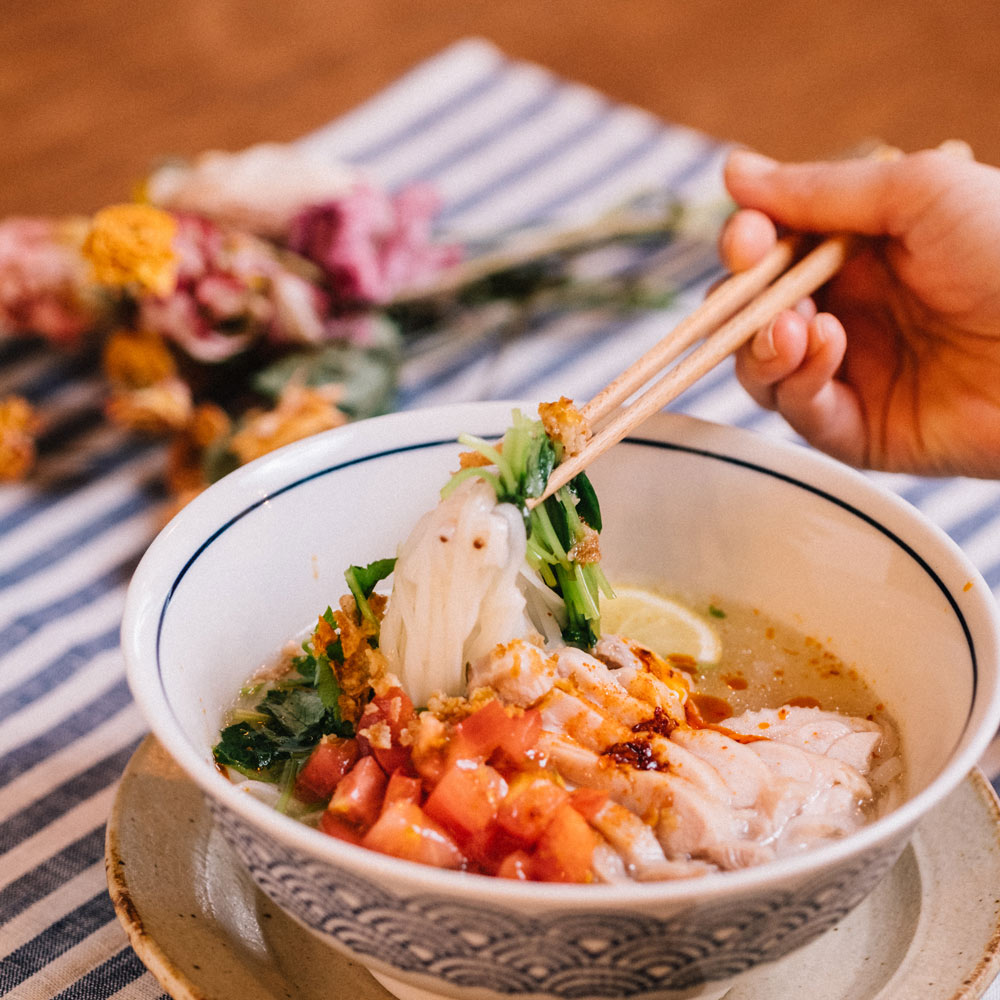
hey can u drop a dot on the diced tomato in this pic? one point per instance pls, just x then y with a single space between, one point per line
404 830
327 764
516 865
465 800
334 826
475 737
430 763
392 759
357 799
383 721
487 847
588 802
520 737
565 849
529 805
402 788
490 732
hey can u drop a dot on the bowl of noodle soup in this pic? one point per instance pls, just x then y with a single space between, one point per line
722 518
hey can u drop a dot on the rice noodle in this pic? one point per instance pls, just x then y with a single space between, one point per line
455 593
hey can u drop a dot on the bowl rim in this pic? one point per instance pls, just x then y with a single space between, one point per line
174 550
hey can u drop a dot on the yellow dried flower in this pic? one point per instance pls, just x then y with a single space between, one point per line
132 245
19 424
301 411
155 409
185 473
210 423
136 359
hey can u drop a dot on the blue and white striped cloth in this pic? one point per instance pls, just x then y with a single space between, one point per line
505 143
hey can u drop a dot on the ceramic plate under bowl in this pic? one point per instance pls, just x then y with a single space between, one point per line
206 933
811 542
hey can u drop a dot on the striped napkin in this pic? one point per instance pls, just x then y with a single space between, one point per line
505 143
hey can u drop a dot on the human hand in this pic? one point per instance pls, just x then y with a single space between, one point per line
896 363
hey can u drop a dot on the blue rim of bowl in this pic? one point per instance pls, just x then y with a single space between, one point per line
644 442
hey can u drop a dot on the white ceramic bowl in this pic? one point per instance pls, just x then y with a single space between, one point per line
704 508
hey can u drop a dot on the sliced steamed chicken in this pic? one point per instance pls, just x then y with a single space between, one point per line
766 785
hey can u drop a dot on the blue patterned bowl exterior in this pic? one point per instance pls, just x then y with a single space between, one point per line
456 948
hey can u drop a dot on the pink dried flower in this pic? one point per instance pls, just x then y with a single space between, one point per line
259 189
232 291
410 256
44 283
372 245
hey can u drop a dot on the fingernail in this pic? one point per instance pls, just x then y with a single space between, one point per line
751 164
817 340
762 347
820 332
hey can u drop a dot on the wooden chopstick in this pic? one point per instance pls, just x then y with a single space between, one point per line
799 281
734 293
743 304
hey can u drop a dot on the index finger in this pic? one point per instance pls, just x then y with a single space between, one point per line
869 196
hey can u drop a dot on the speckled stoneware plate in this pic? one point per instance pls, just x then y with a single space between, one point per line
931 929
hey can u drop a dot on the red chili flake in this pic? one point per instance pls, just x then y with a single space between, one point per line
660 723
634 753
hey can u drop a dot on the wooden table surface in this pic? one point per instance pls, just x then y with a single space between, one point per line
92 93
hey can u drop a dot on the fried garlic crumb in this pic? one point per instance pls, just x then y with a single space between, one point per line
566 424
452 709
588 548
472 460
378 734
363 667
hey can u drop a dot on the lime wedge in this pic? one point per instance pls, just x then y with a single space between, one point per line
664 625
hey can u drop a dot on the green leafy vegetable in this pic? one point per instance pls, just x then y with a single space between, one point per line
586 501
272 740
327 685
521 471
361 580
250 749
367 373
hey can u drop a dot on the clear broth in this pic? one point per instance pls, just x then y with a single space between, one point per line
767 664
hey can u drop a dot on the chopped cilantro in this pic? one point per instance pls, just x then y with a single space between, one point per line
361 581
327 686
271 741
